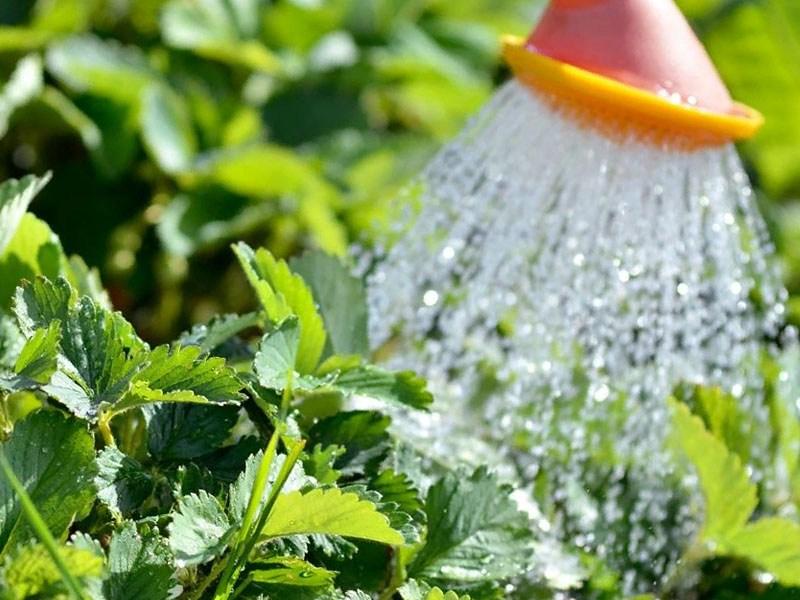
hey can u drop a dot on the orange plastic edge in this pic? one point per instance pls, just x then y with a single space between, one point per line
708 128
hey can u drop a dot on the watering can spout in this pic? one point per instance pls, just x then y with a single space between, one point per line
642 45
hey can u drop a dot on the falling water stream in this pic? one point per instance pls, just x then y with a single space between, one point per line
554 285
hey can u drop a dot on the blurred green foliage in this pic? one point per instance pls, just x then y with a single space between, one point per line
177 126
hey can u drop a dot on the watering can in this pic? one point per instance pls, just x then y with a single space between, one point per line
635 60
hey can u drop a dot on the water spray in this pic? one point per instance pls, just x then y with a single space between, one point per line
587 242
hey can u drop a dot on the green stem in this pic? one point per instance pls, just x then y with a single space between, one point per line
229 575
5 419
259 485
283 476
42 531
104 427
242 587
286 399
239 559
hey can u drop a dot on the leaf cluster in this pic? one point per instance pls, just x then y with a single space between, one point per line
231 463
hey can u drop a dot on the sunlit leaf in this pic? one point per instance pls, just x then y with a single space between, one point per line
328 512
730 496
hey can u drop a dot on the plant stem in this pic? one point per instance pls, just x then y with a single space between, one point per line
238 559
238 591
288 394
283 476
229 574
42 531
104 427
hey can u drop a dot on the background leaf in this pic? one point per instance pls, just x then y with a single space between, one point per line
341 298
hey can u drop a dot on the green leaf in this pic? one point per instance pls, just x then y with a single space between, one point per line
24 84
181 432
200 530
740 41
282 174
105 366
773 544
218 331
64 16
11 341
277 356
182 374
342 301
217 30
275 363
418 590
320 461
15 197
288 570
399 520
33 250
73 117
86 281
167 129
363 434
39 302
100 67
242 488
122 483
283 294
475 532
53 456
405 387
37 360
328 512
100 353
30 571
138 566
399 489
730 496
724 419
208 218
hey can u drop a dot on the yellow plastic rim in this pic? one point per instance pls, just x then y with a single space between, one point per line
542 72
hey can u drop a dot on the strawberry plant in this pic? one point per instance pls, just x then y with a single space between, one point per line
234 462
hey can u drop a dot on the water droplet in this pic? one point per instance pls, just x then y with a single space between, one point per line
602 393
679 231
430 298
